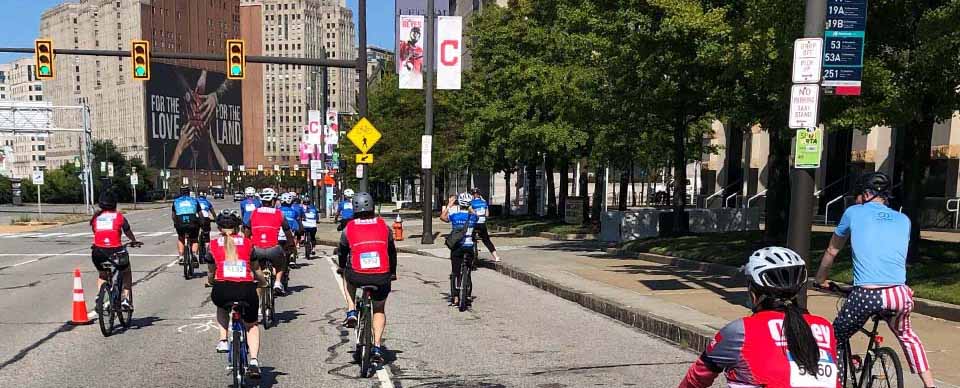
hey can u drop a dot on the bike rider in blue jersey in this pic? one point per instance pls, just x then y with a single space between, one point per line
345 209
482 210
310 217
293 214
459 214
248 205
186 220
207 213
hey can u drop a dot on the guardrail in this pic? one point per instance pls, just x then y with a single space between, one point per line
726 201
955 210
826 209
760 194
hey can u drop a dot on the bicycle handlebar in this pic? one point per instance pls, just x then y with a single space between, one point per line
841 289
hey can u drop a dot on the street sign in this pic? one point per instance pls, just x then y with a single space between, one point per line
230 168
364 135
843 46
110 169
426 145
186 181
804 105
364 158
103 166
359 171
316 169
809 148
260 167
134 180
243 168
37 177
807 60
276 167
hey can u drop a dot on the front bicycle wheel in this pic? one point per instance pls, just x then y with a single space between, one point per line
884 369
465 285
265 308
236 358
124 316
104 310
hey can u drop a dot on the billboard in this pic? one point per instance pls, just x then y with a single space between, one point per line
193 119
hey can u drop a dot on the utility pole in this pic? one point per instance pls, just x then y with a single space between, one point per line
427 184
802 179
362 69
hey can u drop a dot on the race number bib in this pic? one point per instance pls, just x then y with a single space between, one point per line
824 377
369 260
481 219
348 205
481 211
104 223
235 271
206 213
251 207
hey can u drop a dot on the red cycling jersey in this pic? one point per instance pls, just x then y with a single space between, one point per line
265 225
752 352
368 240
237 271
106 229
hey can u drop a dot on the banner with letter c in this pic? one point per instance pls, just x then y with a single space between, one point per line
449 52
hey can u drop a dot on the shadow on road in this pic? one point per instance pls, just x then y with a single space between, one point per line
268 376
139 323
288 316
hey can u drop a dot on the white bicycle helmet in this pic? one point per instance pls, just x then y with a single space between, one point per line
268 194
249 191
286 198
776 271
348 193
464 199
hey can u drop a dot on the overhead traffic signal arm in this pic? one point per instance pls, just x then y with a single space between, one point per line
43 58
140 52
236 59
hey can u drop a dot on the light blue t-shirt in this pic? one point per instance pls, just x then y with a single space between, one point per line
879 237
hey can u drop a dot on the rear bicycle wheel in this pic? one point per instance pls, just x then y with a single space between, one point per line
187 260
366 339
236 358
104 310
464 287
884 369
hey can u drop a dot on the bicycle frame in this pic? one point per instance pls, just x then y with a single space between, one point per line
237 357
867 362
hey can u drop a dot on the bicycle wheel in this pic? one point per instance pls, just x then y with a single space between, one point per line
187 260
366 339
265 308
884 369
104 313
123 316
464 287
236 359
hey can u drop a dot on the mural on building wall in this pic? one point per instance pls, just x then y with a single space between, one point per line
193 119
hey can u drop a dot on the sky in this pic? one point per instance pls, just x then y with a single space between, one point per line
20 22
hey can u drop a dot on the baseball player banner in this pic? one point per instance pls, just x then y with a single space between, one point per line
410 52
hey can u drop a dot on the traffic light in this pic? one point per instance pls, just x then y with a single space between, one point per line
141 60
43 56
236 59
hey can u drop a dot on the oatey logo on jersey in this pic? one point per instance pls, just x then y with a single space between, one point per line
820 332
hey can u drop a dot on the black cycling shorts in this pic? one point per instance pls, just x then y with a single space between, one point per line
225 293
100 255
275 255
381 281
188 230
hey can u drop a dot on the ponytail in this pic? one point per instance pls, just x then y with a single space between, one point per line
800 339
229 246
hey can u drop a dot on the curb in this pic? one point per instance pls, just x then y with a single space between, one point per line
676 332
547 235
947 311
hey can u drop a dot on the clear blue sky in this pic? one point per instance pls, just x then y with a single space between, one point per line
20 22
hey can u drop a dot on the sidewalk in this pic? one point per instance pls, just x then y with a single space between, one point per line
683 305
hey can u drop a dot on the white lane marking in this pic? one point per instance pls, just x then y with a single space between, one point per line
155 234
173 263
21 235
384 376
74 254
44 235
79 234
6 234
25 262
337 278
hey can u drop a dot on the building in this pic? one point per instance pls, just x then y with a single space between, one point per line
22 154
295 28
105 84
378 60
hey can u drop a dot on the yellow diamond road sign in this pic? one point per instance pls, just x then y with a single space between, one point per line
364 158
364 135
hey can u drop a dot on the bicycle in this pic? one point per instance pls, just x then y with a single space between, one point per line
462 287
268 302
108 298
307 246
188 259
237 355
873 369
365 332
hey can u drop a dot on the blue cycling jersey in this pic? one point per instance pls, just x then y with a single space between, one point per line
879 237
460 219
205 206
480 208
185 205
310 217
247 206
346 210
292 215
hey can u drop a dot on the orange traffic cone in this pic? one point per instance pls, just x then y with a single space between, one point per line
79 304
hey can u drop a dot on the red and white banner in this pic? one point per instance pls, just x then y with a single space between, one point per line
314 130
410 52
332 128
449 51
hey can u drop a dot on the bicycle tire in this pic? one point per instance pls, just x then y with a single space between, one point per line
265 308
366 339
187 260
464 287
123 316
884 358
236 355
273 302
103 315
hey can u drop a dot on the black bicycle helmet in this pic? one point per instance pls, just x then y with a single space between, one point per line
228 220
363 202
184 190
874 183
108 201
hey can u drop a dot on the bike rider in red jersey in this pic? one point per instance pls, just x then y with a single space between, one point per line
781 345
107 225
266 225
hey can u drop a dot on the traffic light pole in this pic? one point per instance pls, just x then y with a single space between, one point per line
802 179
321 62
427 184
362 70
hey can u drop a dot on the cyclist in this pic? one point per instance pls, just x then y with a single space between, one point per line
269 232
880 239
460 216
186 220
310 217
293 214
208 215
107 225
249 204
480 208
229 260
775 346
345 209
368 256
268 195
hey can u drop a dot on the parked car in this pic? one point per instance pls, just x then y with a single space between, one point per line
238 196
217 192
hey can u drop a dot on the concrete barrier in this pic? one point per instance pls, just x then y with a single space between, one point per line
617 226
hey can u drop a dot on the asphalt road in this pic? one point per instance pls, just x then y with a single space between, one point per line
515 335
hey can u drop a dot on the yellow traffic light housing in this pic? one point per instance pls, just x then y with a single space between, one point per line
236 59
43 57
140 52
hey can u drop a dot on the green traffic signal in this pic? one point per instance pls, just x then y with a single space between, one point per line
45 70
235 70
141 71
